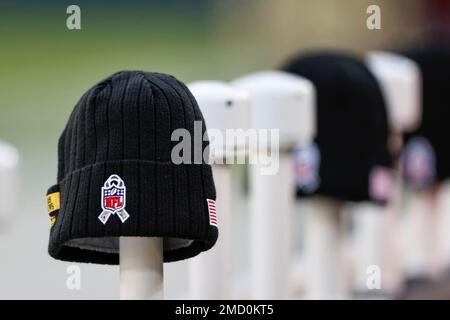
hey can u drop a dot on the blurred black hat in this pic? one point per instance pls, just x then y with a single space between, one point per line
426 157
350 154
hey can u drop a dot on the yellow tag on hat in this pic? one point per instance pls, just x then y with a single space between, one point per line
53 202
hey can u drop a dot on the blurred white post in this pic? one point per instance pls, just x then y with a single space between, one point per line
368 240
210 275
141 268
419 234
286 104
374 241
224 108
401 84
443 227
9 162
323 249
271 209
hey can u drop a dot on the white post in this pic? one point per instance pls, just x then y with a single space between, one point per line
210 273
9 162
442 237
224 108
399 79
283 102
368 240
419 233
323 249
141 268
270 217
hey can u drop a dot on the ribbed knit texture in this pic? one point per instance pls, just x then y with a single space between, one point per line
123 126
352 124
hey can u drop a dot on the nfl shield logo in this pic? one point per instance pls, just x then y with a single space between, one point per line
114 195
113 198
307 165
419 161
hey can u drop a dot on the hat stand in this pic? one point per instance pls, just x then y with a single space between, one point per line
141 268
9 162
324 237
285 102
419 246
210 272
377 237
271 205
224 108
443 225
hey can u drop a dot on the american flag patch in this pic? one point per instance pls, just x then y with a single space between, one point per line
212 212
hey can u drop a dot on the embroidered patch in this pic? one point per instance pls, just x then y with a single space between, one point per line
419 162
307 164
212 212
114 196
381 183
53 202
53 205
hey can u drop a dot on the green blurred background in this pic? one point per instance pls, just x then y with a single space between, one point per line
45 67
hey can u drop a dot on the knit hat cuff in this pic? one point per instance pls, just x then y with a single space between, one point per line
94 206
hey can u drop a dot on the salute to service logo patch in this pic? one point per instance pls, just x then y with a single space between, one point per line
114 195
419 161
307 165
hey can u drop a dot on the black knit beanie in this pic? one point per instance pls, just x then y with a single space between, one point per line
427 153
350 159
116 177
